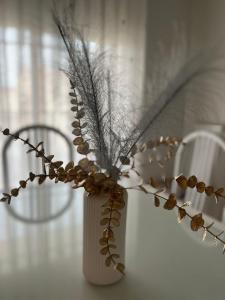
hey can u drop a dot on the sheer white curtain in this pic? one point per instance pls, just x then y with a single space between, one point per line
32 87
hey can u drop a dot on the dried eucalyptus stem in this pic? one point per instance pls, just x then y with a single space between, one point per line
197 220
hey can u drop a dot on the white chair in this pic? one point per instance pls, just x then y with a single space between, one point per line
205 148
36 204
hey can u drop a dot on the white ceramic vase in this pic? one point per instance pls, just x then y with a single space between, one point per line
94 268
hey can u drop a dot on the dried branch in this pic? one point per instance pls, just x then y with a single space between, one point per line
22 185
197 221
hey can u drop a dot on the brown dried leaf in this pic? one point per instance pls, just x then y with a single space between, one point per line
181 214
31 176
69 166
108 261
219 191
104 221
200 186
6 131
52 173
99 178
15 192
80 114
171 202
192 181
84 163
106 211
93 168
41 179
154 183
4 199
182 181
40 153
197 222
75 124
74 108
116 214
118 205
61 170
57 164
209 190
78 141
72 94
109 183
49 158
39 144
6 195
103 241
115 222
120 267
83 148
104 250
73 101
108 233
76 131
23 184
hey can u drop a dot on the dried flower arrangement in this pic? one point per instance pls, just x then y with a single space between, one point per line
97 131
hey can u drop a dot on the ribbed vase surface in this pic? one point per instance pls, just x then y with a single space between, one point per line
94 268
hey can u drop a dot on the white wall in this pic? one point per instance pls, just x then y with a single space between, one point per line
176 31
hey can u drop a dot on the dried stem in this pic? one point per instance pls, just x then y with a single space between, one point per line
40 153
215 236
23 184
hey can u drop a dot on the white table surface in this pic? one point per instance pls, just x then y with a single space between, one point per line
44 261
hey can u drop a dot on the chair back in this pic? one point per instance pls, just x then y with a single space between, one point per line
203 150
36 204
